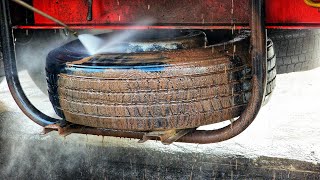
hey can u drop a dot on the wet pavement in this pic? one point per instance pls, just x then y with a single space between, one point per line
282 143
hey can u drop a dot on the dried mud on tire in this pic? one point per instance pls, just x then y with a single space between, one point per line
157 91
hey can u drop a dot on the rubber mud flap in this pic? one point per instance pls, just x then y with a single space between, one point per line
144 91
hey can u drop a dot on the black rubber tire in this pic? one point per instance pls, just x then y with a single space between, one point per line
1 66
296 50
159 91
271 70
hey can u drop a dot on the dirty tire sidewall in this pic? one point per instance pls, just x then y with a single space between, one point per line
139 101
271 71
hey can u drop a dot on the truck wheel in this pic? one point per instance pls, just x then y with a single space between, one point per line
1 68
272 70
296 50
172 89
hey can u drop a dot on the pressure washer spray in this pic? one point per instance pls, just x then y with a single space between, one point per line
93 44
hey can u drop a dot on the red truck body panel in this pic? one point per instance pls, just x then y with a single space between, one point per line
191 14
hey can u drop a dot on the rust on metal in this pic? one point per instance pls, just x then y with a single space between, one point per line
166 137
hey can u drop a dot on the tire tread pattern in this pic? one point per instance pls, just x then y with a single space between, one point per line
296 50
159 103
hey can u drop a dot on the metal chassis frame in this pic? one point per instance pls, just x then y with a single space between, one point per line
258 58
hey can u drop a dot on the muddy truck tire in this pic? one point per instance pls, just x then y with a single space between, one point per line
144 91
296 50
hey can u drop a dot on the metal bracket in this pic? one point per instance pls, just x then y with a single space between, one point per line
89 15
166 137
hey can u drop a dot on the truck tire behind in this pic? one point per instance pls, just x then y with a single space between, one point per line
1 67
296 50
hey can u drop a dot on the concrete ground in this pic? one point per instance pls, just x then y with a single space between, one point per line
282 143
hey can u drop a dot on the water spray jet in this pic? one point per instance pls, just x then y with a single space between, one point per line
93 44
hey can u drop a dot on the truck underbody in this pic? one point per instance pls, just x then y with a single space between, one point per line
234 16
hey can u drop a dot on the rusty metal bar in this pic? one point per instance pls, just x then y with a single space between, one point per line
258 56
11 70
211 27
124 27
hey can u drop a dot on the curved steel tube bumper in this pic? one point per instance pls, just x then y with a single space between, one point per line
259 71
12 73
258 55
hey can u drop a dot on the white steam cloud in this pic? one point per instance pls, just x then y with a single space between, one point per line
96 45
